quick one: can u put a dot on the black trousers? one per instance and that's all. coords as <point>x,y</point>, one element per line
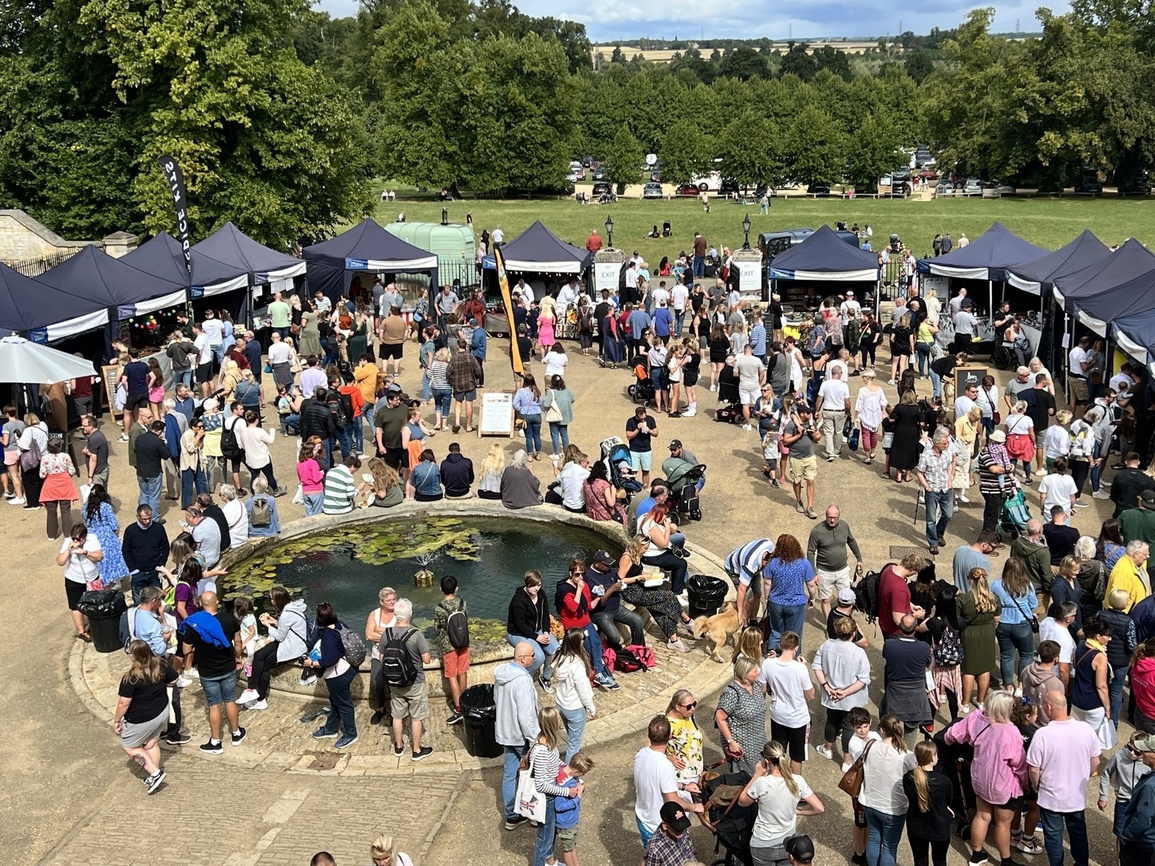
<point>992,510</point>
<point>937,850</point>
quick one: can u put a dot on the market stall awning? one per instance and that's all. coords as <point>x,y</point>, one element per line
<point>825,256</point>
<point>163,256</point>
<point>538,250</point>
<point>232,247</point>
<point>985,258</point>
<point>1125,264</point>
<point>45,313</point>
<point>1083,251</point>
<point>365,247</point>
<point>93,273</point>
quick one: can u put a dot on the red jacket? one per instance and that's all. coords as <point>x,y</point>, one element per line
<point>574,613</point>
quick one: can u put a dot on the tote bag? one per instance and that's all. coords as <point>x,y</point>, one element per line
<point>530,802</point>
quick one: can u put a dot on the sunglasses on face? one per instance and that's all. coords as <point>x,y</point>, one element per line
<point>688,706</point>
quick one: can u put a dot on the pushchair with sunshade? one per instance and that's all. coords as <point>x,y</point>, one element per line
<point>1015,515</point>
<point>730,822</point>
<point>683,482</point>
<point>642,391</point>
<point>619,466</point>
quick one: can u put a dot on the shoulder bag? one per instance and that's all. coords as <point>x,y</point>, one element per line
<point>529,803</point>
<point>852,779</point>
<point>1030,617</point>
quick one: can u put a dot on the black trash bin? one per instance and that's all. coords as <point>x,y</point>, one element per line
<point>480,711</point>
<point>705,594</point>
<point>103,608</point>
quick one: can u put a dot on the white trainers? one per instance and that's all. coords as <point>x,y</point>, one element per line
<point>1101,494</point>
<point>19,500</point>
<point>747,427</point>
<point>259,705</point>
<point>183,682</point>
<point>825,751</point>
<point>248,696</point>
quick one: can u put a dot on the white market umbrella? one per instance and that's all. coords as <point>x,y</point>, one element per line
<point>34,364</point>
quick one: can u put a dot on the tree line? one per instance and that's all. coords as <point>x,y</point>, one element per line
<point>282,116</point>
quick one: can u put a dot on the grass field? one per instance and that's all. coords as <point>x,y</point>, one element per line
<point>1047,222</point>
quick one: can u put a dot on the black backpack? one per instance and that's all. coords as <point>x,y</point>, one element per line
<point>341,413</point>
<point>230,444</point>
<point>396,661</point>
<point>457,627</point>
<point>626,662</point>
<point>866,594</point>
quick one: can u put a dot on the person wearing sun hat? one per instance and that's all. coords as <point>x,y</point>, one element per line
<point>996,478</point>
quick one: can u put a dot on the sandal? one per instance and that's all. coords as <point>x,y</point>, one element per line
<point>885,474</point>
<point>468,429</point>
<point>84,636</point>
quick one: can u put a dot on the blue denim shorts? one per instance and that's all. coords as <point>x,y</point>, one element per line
<point>220,690</point>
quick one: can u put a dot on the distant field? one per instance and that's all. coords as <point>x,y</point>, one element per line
<point>1049,223</point>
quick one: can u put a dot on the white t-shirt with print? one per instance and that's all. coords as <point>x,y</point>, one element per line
<point>787,682</point>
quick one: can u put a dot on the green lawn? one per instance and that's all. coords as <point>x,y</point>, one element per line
<point>1047,222</point>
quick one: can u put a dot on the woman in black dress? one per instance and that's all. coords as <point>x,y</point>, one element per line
<point>901,347</point>
<point>904,453</point>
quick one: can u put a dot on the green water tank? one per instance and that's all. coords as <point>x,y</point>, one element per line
<point>453,244</point>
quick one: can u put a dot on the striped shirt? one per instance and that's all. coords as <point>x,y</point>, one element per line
<point>340,488</point>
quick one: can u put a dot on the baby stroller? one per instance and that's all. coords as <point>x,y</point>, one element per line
<point>954,762</point>
<point>683,484</point>
<point>730,823</point>
<point>1015,515</point>
<point>619,466</point>
<point>729,406</point>
<point>667,232</point>
<point>642,391</point>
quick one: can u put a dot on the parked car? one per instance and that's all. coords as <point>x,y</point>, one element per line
<point>1089,183</point>
<point>601,188</point>
<point>687,189</point>
<point>711,182</point>
<point>818,189</point>
<point>653,191</point>
<point>599,174</point>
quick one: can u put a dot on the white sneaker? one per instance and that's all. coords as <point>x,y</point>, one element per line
<point>689,413</point>
<point>248,696</point>
<point>183,682</point>
<point>962,497</point>
<point>747,427</point>
<point>825,751</point>
<point>1101,494</point>
<point>713,387</point>
<point>259,705</point>
<point>19,500</point>
<point>123,437</point>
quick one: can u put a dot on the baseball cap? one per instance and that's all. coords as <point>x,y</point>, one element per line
<point>674,816</point>
<point>847,596</point>
<point>998,436</point>
<point>802,407</point>
<point>801,848</point>
<point>603,557</point>
<point>1145,744</point>
<point>1148,497</point>
<point>393,388</point>
<point>675,444</point>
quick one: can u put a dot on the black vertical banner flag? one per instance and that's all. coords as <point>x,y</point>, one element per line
<point>175,178</point>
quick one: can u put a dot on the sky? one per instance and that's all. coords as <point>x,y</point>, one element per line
<point>607,20</point>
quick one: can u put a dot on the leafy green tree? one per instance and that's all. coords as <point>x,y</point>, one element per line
<point>742,63</point>
<point>873,150</point>
<point>751,152</point>
<point>829,57</point>
<point>622,160</point>
<point>919,64</point>
<point>797,61</point>
<point>686,151</point>
<point>814,147</point>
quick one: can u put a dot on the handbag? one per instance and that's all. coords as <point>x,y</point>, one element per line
<point>553,414</point>
<point>887,439</point>
<point>852,439</point>
<point>847,426</point>
<point>852,779</point>
<point>1030,617</point>
<point>529,802</point>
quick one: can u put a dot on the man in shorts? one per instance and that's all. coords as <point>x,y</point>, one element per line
<point>410,701</point>
<point>212,641</point>
<point>464,375</point>
<point>388,422</point>
<point>799,438</point>
<point>393,332</point>
<point>827,551</point>
<point>744,566</point>
<point>751,374</point>
<point>640,431</point>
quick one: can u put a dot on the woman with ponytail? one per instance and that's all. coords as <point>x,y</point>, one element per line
<point>778,793</point>
<point>928,817</point>
<point>884,765</point>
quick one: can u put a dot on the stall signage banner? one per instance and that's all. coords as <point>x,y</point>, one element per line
<point>175,178</point>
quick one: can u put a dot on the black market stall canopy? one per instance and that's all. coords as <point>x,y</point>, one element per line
<point>124,290</point>
<point>45,313</point>
<point>365,247</point>
<point>232,247</point>
<point>1032,276</point>
<point>163,256</point>
<point>538,250</point>
<point>1125,264</point>
<point>824,256</point>
<point>985,258</point>
<point>1135,335</point>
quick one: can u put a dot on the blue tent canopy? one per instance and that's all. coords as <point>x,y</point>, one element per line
<point>985,258</point>
<point>164,257</point>
<point>1032,276</point>
<point>94,274</point>
<point>365,247</point>
<point>1135,334</point>
<point>538,250</point>
<point>230,246</point>
<point>1133,297</point>
<point>1128,262</point>
<point>43,312</point>
<point>825,256</point>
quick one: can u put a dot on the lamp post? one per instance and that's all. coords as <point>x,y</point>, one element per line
<point>445,216</point>
<point>610,231</point>
<point>746,229</point>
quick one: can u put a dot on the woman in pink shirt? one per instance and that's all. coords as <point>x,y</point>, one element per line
<point>998,771</point>
<point>311,477</point>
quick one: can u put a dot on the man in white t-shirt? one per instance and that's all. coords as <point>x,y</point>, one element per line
<point>679,295</point>
<point>1079,364</point>
<point>204,368</point>
<point>656,782</point>
<point>1058,629</point>
<point>751,374</point>
<point>967,401</point>
<point>833,404</point>
<point>1058,489</point>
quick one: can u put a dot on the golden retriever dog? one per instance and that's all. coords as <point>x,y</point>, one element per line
<point>720,628</point>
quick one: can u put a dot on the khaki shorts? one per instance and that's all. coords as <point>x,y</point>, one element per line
<point>1078,389</point>
<point>411,701</point>
<point>566,839</point>
<point>802,469</point>
<point>829,582</point>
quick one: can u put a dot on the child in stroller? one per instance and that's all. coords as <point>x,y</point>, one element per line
<point>642,391</point>
<point>616,457</point>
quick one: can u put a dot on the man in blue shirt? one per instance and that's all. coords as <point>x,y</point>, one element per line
<point>638,320</point>
<point>758,336</point>
<point>663,321</point>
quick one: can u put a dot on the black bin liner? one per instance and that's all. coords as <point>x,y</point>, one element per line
<point>705,595</point>
<point>103,608</point>
<point>480,711</point>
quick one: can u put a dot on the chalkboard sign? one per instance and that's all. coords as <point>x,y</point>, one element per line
<point>496,414</point>
<point>109,376</point>
<point>967,375</point>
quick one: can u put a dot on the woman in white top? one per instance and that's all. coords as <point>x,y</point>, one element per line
<point>571,688</point>
<point>489,476</point>
<point>1058,488</point>
<point>379,620</point>
<point>659,531</point>
<point>886,762</point>
<point>869,409</point>
<point>988,401</point>
<point>1057,440</point>
<point>80,557</point>
<point>1021,437</point>
<point>255,441</point>
<point>36,431</point>
<point>555,360</point>
<point>778,793</point>
<point>795,364</point>
<point>787,680</point>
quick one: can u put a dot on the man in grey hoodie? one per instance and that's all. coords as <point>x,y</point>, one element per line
<point>516,701</point>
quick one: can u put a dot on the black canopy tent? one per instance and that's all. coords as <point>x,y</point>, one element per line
<point>825,257</point>
<point>258,264</point>
<point>163,256</point>
<point>366,247</point>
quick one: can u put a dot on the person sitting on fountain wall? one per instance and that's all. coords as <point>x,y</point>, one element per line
<point>519,486</point>
<point>456,472</point>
